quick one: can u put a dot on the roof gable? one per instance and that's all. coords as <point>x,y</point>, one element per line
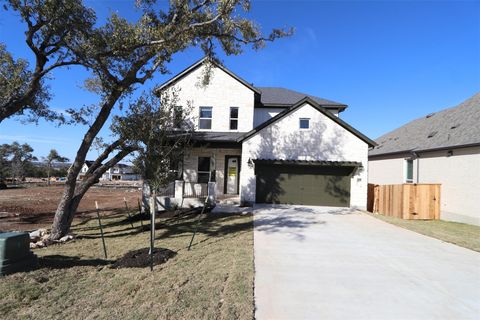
<point>198,64</point>
<point>319,108</point>
<point>453,127</point>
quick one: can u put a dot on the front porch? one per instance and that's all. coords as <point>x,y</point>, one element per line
<point>189,195</point>
<point>209,170</point>
<point>206,165</point>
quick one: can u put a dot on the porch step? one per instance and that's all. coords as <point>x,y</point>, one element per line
<point>228,201</point>
<point>228,208</point>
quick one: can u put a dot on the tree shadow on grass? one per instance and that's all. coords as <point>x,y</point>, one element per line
<point>64,262</point>
<point>211,225</point>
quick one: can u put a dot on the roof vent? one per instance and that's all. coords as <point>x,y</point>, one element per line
<point>455,126</point>
<point>432,134</point>
<point>430,115</point>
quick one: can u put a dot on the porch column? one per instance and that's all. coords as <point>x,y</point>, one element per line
<point>179,189</point>
<point>211,192</point>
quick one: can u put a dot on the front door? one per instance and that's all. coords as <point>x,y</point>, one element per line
<point>232,175</point>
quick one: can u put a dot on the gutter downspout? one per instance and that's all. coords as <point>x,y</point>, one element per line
<point>418,170</point>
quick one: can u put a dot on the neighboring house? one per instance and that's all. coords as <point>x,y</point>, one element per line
<point>119,172</point>
<point>270,145</point>
<point>84,169</point>
<point>442,147</point>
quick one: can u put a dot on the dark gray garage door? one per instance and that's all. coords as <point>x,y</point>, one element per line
<point>303,184</point>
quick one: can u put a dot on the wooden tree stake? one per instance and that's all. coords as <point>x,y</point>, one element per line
<point>153,198</point>
<point>128,212</point>
<point>101,229</point>
<point>140,213</point>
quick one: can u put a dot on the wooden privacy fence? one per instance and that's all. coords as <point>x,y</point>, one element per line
<point>405,201</point>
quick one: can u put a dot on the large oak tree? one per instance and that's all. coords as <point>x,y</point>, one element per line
<point>121,55</point>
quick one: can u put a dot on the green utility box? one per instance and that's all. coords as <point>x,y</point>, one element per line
<point>15,254</point>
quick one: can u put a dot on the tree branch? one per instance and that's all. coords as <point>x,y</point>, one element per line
<point>91,179</point>
<point>109,149</point>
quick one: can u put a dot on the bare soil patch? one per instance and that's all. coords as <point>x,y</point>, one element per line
<point>141,258</point>
<point>30,208</point>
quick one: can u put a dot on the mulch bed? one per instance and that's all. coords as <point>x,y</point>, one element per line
<point>141,258</point>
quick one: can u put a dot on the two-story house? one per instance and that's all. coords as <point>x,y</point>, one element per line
<point>120,171</point>
<point>270,145</point>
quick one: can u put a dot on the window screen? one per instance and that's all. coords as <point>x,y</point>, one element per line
<point>203,169</point>
<point>205,119</point>
<point>304,123</point>
<point>233,118</point>
<point>409,170</point>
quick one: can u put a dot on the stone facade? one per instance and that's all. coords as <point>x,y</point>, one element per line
<point>326,140</point>
<point>222,92</point>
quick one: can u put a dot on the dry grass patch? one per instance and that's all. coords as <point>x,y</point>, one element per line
<point>212,281</point>
<point>461,234</point>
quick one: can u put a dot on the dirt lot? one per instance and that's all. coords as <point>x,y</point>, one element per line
<point>34,207</point>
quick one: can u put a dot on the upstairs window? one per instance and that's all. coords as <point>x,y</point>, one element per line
<point>408,170</point>
<point>205,119</point>
<point>233,118</point>
<point>177,117</point>
<point>304,123</point>
<point>203,169</point>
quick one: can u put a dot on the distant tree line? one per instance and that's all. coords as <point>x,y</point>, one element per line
<point>17,162</point>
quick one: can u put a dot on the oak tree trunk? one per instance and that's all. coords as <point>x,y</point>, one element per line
<point>71,197</point>
<point>65,212</point>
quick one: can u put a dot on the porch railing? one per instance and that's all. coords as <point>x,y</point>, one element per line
<point>168,191</point>
<point>177,193</point>
<point>195,190</point>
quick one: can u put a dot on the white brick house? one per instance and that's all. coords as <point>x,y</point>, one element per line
<point>270,145</point>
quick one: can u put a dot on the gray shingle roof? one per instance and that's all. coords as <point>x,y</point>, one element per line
<point>285,97</point>
<point>310,162</point>
<point>457,126</point>
<point>216,136</point>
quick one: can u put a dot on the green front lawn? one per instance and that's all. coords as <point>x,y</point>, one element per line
<point>464,235</point>
<point>212,281</point>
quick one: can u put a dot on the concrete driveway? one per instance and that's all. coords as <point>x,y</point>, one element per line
<point>331,263</point>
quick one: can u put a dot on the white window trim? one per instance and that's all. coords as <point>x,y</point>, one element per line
<point>300,120</point>
<point>405,170</point>
<point>230,118</point>
<point>203,172</point>
<point>200,118</point>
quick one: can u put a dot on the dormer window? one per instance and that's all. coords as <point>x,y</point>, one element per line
<point>304,123</point>
<point>233,118</point>
<point>205,119</point>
